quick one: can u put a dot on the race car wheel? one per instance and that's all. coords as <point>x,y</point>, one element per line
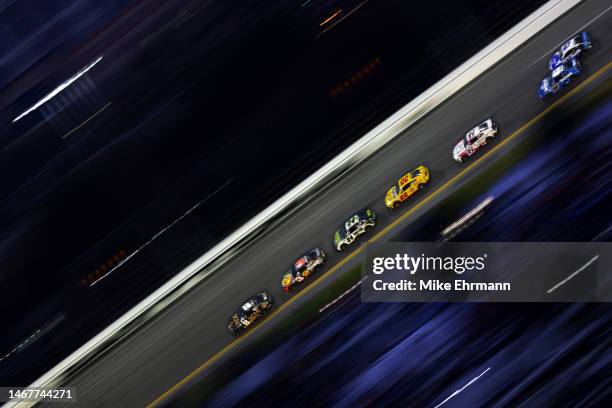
<point>421,186</point>
<point>395,205</point>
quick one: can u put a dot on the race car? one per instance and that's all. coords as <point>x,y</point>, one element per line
<point>559,78</point>
<point>355,226</point>
<point>572,48</point>
<point>474,140</point>
<point>303,268</point>
<point>406,186</point>
<point>252,310</point>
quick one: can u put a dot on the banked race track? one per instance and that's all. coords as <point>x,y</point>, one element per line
<point>188,338</point>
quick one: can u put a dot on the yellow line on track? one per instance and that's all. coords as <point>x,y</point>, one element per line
<point>392,225</point>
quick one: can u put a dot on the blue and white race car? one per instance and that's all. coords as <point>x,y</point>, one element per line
<point>572,48</point>
<point>559,78</point>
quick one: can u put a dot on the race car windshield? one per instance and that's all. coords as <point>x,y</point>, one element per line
<point>415,173</point>
<point>470,136</point>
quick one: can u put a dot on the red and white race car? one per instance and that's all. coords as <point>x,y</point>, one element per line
<point>474,140</point>
<point>303,268</point>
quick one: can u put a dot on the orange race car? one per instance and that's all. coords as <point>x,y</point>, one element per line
<point>303,268</point>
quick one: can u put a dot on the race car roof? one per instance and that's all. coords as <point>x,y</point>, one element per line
<point>558,71</point>
<point>300,263</point>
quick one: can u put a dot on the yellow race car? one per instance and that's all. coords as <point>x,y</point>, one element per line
<point>407,186</point>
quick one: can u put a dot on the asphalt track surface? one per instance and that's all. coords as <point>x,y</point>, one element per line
<point>176,348</point>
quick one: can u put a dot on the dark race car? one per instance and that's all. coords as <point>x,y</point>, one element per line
<point>355,226</point>
<point>303,268</point>
<point>252,310</point>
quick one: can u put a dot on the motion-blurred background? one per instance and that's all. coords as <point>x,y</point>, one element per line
<point>135,134</point>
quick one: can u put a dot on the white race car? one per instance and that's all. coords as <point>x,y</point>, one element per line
<point>474,139</point>
<point>572,48</point>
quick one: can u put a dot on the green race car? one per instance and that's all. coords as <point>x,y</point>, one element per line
<point>251,311</point>
<point>355,226</point>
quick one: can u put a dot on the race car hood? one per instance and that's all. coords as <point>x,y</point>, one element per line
<point>262,297</point>
<point>586,40</point>
<point>368,214</point>
<point>459,149</point>
<point>319,252</point>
